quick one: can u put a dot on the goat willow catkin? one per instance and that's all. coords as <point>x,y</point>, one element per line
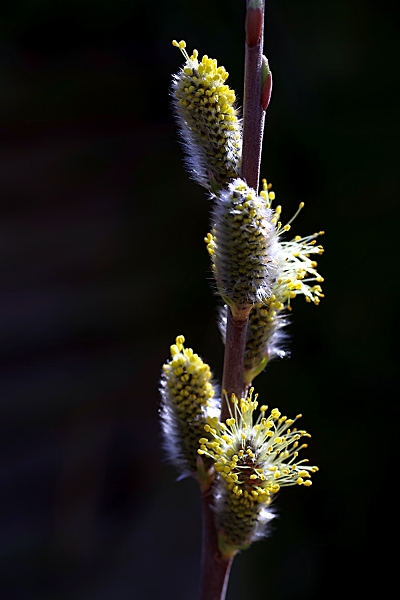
<point>187,398</point>
<point>295,275</point>
<point>209,125</point>
<point>254,460</point>
<point>242,246</point>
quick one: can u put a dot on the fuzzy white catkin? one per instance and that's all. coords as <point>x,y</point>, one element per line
<point>209,126</point>
<point>242,246</point>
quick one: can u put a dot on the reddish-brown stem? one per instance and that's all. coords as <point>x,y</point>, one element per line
<point>235,345</point>
<point>253,113</point>
<point>215,567</point>
<point>215,570</point>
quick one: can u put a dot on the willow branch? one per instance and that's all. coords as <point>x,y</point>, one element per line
<point>215,567</point>
<point>253,113</point>
<point>235,345</point>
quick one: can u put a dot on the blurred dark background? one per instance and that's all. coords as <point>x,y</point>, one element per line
<point>102,264</point>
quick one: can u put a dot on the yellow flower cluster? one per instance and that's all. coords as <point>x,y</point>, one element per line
<point>296,275</point>
<point>187,393</point>
<point>253,460</point>
<point>297,270</point>
<point>205,109</point>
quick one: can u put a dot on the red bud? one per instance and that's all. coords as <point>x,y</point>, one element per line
<point>266,92</point>
<point>253,26</point>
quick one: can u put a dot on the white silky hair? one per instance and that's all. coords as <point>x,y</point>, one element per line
<point>195,156</point>
<point>195,159</point>
<point>171,426</point>
<point>265,515</point>
<point>266,248</point>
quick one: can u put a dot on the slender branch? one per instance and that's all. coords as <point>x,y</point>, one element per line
<point>253,113</point>
<point>253,128</point>
<point>235,345</point>
<point>215,568</point>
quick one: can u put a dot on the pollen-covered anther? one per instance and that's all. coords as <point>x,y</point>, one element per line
<point>253,467</point>
<point>210,128</point>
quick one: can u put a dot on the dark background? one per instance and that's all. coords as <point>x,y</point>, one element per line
<point>102,264</point>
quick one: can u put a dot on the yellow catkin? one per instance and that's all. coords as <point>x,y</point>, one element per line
<point>210,128</point>
<point>187,396</point>
<point>296,274</point>
<point>254,459</point>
